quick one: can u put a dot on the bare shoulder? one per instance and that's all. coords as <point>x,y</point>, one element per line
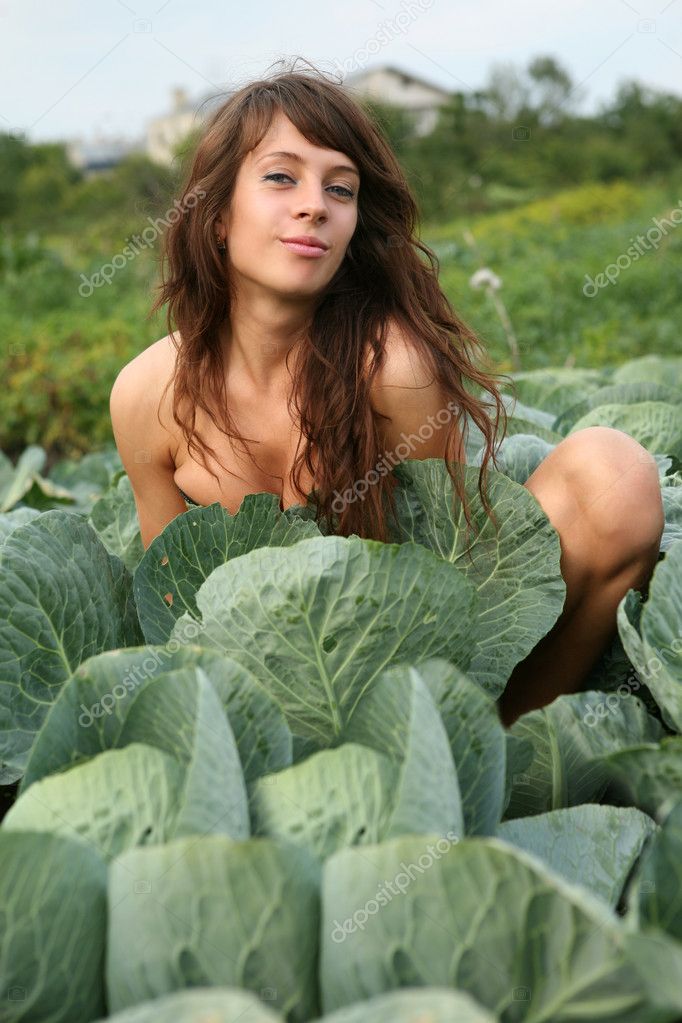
<point>405,364</point>
<point>407,391</point>
<point>139,392</point>
<point>145,369</point>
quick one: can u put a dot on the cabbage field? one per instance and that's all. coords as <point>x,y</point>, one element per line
<point>257,772</point>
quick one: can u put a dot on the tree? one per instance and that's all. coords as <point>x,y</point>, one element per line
<point>44,183</point>
<point>551,89</point>
<point>649,122</point>
<point>395,122</point>
<point>15,158</point>
<point>506,93</point>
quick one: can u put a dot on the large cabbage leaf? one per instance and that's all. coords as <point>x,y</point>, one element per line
<point>319,621</point>
<point>516,569</point>
<point>487,917</point>
<point>212,911</point>
<point>63,599</point>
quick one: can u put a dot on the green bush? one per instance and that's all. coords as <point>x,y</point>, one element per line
<point>57,378</point>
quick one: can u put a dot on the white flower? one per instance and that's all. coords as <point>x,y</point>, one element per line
<point>485,278</point>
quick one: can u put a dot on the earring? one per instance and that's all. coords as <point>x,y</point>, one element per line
<point>221,245</point>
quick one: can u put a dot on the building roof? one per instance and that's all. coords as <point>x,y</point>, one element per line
<point>356,77</point>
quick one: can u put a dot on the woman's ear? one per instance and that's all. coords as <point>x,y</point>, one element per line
<point>219,232</point>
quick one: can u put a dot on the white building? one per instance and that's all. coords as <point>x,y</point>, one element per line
<point>386,84</point>
<point>167,130</point>
<point>101,153</point>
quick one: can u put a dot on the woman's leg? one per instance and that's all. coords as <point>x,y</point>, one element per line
<point>600,490</point>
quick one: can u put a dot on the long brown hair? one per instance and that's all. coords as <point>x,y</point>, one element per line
<point>383,277</point>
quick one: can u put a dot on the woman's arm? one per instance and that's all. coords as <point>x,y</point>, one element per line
<point>144,447</point>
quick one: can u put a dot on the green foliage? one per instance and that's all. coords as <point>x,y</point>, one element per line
<point>543,251</point>
<point>61,351</point>
<point>522,130</point>
<point>231,753</point>
<point>58,376</point>
<point>395,122</point>
<point>275,801</point>
<point>16,158</point>
<point>549,196</point>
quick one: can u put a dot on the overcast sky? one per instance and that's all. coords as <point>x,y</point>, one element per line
<point>75,69</point>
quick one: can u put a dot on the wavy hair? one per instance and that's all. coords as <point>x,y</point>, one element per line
<point>383,277</point>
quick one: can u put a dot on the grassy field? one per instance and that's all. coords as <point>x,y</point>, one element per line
<point>543,251</point>
<point>63,343</point>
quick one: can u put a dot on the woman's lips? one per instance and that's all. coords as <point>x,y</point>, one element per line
<point>305,250</point>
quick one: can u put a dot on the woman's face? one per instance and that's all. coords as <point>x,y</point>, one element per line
<point>278,197</point>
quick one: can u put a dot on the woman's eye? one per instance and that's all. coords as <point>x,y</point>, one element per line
<point>347,192</point>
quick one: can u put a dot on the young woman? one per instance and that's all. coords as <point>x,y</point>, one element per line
<point>312,345</point>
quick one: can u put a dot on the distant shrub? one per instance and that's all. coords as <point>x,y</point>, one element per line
<point>57,376</point>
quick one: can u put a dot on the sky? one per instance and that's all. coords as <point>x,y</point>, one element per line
<point>103,69</point>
